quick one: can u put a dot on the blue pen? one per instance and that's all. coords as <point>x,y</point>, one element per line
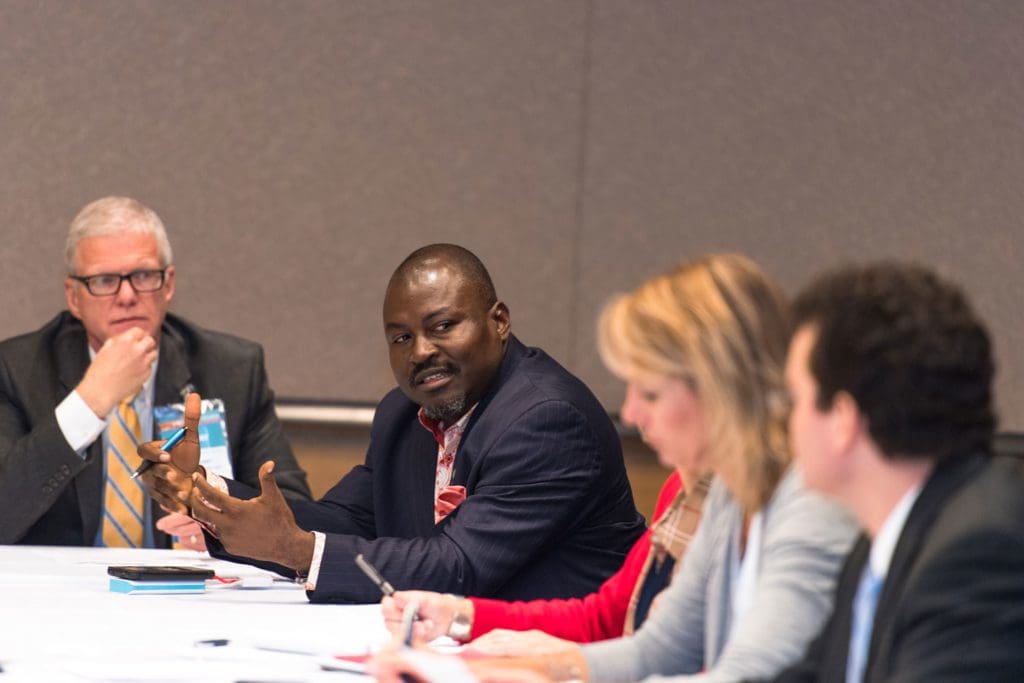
<point>175,439</point>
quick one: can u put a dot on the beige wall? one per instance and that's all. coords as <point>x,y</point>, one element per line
<point>298,150</point>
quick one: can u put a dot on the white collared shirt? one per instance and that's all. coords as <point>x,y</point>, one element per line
<point>81,427</point>
<point>871,584</point>
<point>884,543</point>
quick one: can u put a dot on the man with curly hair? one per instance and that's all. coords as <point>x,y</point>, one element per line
<point>891,373</point>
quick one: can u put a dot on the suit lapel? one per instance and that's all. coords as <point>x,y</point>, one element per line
<point>836,649</point>
<point>71,351</point>
<point>420,457</point>
<point>419,461</point>
<point>940,488</point>
<point>172,374</point>
<point>471,440</point>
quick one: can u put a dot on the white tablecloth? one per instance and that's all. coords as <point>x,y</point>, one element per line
<point>60,622</point>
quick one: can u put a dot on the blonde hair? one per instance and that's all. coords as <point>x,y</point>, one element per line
<point>721,325</point>
<point>113,215</point>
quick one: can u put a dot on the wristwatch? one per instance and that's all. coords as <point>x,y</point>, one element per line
<point>461,627</point>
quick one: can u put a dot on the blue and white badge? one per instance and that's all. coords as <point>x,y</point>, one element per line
<point>214,453</point>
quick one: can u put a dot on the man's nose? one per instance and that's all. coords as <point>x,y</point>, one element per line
<point>126,294</point>
<point>422,349</point>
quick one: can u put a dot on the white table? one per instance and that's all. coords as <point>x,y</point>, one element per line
<point>60,622</point>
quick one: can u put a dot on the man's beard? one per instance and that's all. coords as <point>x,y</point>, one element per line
<point>448,411</point>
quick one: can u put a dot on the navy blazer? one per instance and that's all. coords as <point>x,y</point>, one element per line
<point>549,512</point>
<point>51,496</point>
<point>952,605</point>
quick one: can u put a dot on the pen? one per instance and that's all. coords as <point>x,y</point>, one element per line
<point>409,615</point>
<point>212,642</point>
<point>175,439</point>
<point>386,588</point>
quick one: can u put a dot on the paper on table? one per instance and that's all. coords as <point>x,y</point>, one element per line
<point>354,663</point>
<point>435,668</point>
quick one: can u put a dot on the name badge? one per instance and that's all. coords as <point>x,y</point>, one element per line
<point>214,451</point>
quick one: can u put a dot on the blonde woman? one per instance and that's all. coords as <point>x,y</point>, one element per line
<point>709,338</point>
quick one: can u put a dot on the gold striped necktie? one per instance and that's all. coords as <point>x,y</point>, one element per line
<point>123,498</point>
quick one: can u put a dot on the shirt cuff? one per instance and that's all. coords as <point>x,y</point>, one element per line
<point>217,481</point>
<point>78,423</point>
<point>319,540</point>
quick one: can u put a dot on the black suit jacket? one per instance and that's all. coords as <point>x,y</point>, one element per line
<point>952,606</point>
<point>48,494</point>
<point>549,511</point>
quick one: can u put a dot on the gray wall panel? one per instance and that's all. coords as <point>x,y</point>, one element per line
<point>297,151</point>
<point>804,134</point>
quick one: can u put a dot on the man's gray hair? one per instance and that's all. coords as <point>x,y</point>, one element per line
<point>113,215</point>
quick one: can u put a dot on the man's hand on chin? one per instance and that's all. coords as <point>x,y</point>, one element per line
<point>121,366</point>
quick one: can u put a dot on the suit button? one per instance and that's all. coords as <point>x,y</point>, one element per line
<point>65,470</point>
<point>47,489</point>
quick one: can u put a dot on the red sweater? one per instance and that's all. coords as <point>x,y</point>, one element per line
<point>597,616</point>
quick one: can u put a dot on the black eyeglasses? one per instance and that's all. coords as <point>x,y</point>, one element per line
<point>108,284</point>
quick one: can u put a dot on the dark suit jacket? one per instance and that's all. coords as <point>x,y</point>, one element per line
<point>48,494</point>
<point>549,511</point>
<point>952,606</point>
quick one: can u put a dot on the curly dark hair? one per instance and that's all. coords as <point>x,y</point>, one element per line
<point>906,345</point>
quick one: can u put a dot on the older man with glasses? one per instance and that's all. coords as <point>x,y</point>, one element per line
<point>79,394</point>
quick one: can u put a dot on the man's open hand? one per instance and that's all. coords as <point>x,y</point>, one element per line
<point>261,528</point>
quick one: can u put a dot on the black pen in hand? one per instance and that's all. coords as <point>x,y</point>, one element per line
<point>388,590</point>
<point>409,615</point>
<point>371,572</point>
<point>411,611</point>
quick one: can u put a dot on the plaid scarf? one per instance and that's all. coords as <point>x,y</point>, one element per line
<point>670,535</point>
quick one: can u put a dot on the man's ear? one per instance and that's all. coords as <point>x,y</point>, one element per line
<point>846,422</point>
<point>71,297</point>
<point>169,284</point>
<point>501,318</point>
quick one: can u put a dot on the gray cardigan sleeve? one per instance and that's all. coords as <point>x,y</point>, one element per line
<point>804,542</point>
<point>671,640</point>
